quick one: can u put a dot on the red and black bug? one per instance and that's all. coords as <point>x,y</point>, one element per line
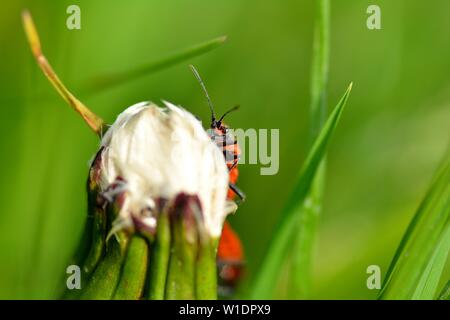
<point>230,257</point>
<point>230,253</point>
<point>225,140</point>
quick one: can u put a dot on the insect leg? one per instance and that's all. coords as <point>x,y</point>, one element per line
<point>238,191</point>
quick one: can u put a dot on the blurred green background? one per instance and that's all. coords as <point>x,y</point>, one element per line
<point>392,135</point>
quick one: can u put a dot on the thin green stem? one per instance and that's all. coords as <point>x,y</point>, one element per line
<point>304,242</point>
<point>319,70</point>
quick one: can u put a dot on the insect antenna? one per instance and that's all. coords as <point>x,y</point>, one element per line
<point>93,121</point>
<point>199,79</point>
<point>229,111</point>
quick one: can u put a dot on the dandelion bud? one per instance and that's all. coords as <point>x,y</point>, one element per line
<point>150,154</point>
<point>157,192</point>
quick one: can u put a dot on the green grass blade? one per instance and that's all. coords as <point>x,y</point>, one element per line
<point>114,79</point>
<point>445,294</point>
<point>302,252</point>
<point>427,287</point>
<point>266,279</point>
<point>417,261</point>
<point>320,67</point>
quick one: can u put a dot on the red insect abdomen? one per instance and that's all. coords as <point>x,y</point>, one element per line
<point>230,246</point>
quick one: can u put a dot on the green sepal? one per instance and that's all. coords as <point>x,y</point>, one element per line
<point>206,270</point>
<point>180,284</point>
<point>104,280</point>
<point>132,278</point>
<point>159,259</point>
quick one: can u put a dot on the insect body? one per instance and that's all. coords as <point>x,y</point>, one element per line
<point>220,134</point>
<point>230,253</point>
<point>230,258</point>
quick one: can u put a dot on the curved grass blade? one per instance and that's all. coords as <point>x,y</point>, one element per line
<point>427,288</point>
<point>320,67</point>
<point>417,261</point>
<point>266,279</point>
<point>445,294</point>
<point>114,79</point>
<point>302,250</point>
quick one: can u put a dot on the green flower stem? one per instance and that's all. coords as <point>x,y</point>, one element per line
<point>181,274</point>
<point>103,282</point>
<point>132,279</point>
<point>206,275</point>
<point>159,259</point>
